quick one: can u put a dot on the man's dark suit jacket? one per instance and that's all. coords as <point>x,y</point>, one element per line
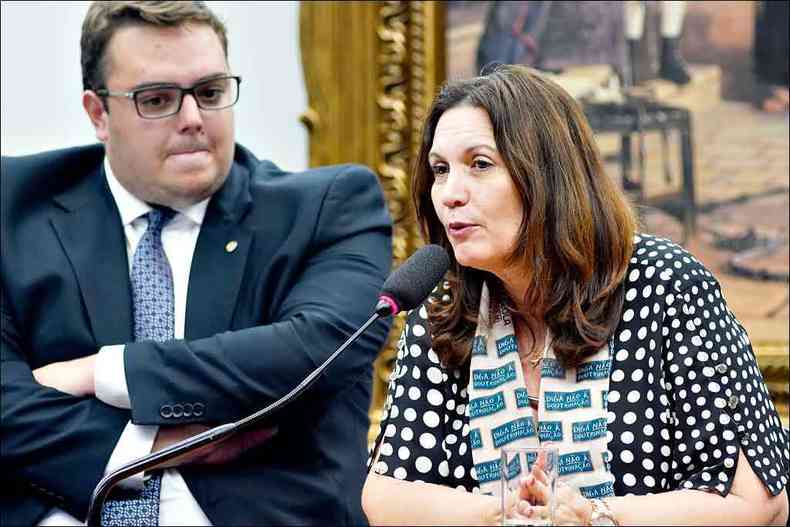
<point>313,251</point>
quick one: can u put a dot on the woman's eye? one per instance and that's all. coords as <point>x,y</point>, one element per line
<point>438,169</point>
<point>481,164</point>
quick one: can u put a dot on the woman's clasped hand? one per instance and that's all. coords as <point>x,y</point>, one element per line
<point>538,500</point>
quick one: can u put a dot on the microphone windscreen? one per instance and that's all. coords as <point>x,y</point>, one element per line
<point>413,281</point>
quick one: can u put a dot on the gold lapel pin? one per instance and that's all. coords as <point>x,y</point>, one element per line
<point>231,246</point>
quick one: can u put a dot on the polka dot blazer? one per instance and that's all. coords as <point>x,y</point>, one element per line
<point>685,392</point>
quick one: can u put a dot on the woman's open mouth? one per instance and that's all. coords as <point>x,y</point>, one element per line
<point>460,230</point>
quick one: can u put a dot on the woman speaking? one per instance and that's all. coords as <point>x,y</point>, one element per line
<point>610,344</point>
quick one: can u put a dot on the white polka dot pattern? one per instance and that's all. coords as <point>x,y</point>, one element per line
<point>685,395</point>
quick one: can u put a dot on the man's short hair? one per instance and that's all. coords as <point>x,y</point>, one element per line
<point>105,18</point>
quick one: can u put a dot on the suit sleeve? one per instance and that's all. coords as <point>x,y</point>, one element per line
<point>46,433</point>
<point>234,373</point>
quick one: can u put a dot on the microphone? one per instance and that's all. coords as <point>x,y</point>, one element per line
<point>413,281</point>
<point>405,289</point>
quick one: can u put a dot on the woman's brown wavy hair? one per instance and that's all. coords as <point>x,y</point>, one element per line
<point>576,235</point>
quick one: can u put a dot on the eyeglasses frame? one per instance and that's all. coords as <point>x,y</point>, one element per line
<point>132,94</point>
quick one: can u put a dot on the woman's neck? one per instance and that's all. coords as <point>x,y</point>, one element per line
<point>531,335</point>
<point>528,320</point>
<point>515,281</point>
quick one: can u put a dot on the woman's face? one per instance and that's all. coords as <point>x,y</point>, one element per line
<point>473,193</point>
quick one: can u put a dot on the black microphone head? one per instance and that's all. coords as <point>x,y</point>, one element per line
<point>413,281</point>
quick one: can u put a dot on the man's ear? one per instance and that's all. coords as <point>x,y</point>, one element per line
<point>94,107</point>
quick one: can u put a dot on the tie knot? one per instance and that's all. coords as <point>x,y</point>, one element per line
<point>159,216</point>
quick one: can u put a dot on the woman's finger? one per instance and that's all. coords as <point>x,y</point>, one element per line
<point>540,474</point>
<point>540,460</point>
<point>525,488</point>
<point>512,497</point>
<point>515,507</point>
<point>536,492</point>
<point>539,513</point>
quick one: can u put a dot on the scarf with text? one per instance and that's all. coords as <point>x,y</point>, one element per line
<point>572,413</point>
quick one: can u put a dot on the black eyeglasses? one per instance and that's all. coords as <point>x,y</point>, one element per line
<point>164,100</point>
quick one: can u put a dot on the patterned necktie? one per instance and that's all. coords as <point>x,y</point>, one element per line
<point>154,319</point>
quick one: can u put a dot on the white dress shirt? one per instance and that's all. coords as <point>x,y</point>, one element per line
<point>177,506</point>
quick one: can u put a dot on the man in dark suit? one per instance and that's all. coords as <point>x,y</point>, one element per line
<point>167,280</point>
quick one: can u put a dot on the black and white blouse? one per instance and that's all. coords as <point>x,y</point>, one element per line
<point>685,392</point>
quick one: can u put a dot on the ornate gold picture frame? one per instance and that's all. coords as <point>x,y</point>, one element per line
<point>371,70</point>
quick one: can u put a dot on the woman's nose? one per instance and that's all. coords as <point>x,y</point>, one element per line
<point>455,191</point>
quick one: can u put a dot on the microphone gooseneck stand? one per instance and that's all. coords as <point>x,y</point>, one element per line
<point>217,434</point>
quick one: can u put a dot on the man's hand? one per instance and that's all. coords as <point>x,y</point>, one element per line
<point>74,377</point>
<point>212,454</point>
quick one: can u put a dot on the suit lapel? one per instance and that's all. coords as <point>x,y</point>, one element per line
<point>91,233</point>
<point>220,258</point>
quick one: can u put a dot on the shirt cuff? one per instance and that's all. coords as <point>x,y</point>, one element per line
<point>109,377</point>
<point>135,442</point>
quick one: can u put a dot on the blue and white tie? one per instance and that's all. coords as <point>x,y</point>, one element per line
<point>154,319</point>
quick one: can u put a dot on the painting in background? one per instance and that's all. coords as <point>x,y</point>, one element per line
<point>736,57</point>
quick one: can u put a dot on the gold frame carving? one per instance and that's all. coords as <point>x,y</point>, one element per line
<point>371,70</point>
<point>773,360</point>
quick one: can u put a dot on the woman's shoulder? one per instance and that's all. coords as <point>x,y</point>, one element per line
<point>417,364</point>
<point>661,263</point>
<point>416,342</point>
<point>418,321</point>
<point>418,325</point>
<point>415,339</point>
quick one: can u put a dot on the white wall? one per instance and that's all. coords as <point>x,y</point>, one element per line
<point>41,82</point>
